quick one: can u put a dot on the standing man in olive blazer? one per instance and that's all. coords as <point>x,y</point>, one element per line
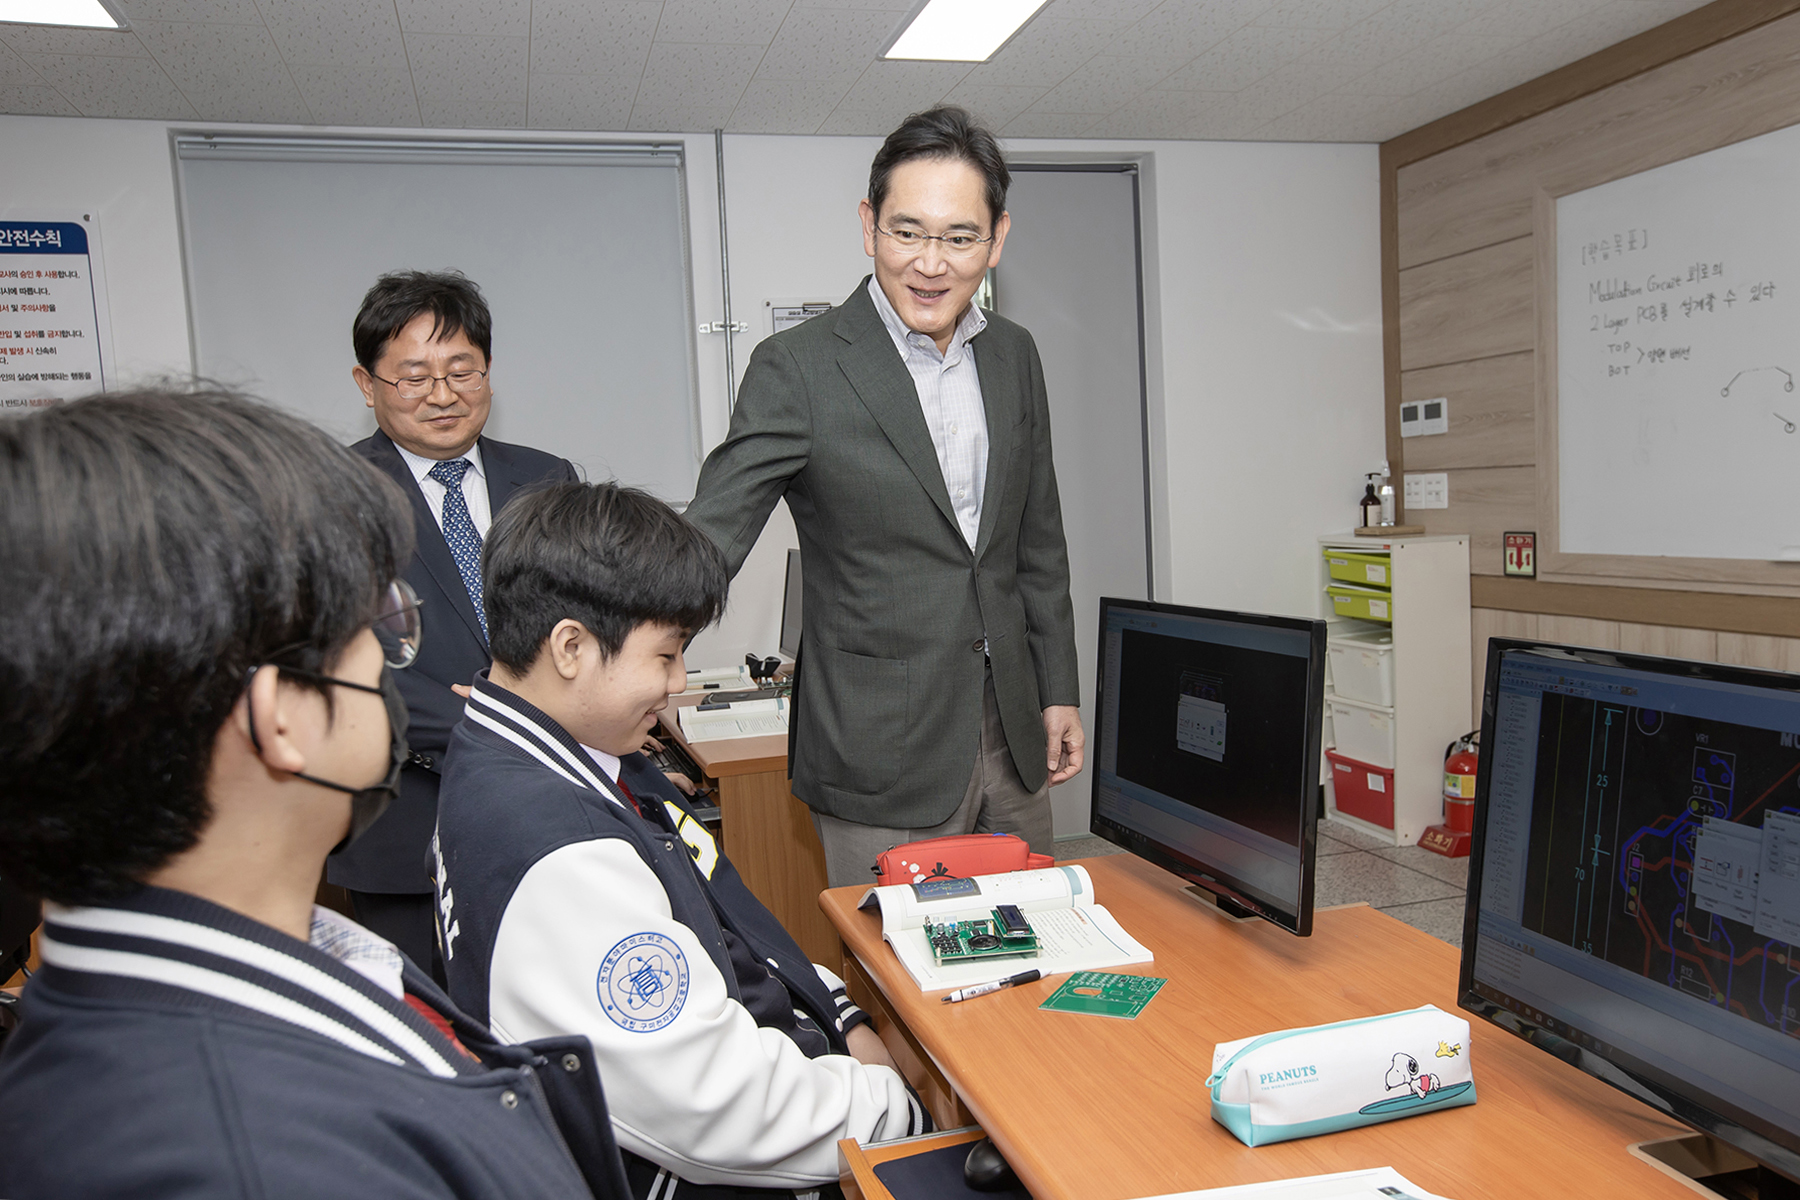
<point>909,431</point>
<point>423,345</point>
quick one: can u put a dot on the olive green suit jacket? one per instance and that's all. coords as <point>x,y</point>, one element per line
<point>887,710</point>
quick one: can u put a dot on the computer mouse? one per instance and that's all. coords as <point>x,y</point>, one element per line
<point>984,1169</point>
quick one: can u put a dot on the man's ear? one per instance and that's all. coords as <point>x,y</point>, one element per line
<point>866,211</point>
<point>270,706</point>
<point>366,382</point>
<point>1001,227</point>
<point>566,646</point>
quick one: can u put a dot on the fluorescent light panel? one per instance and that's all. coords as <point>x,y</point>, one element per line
<point>961,30</point>
<point>91,14</point>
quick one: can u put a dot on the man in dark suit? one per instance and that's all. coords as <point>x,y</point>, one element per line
<point>423,348</point>
<point>909,432</point>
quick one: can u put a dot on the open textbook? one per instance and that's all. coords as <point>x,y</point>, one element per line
<point>1073,933</point>
<point>740,718</point>
<point>708,678</point>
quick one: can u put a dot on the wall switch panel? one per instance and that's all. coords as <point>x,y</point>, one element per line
<point>1423,418</point>
<point>1426,490</point>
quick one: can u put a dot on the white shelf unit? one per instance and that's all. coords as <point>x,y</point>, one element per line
<point>1430,628</point>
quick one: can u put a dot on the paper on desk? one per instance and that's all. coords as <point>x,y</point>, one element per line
<point>711,678</point>
<point>1382,1183</point>
<point>741,718</point>
<point>1074,933</point>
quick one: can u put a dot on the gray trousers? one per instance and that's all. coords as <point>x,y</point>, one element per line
<point>994,802</point>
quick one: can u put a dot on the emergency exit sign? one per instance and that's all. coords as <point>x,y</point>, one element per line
<point>1521,554</point>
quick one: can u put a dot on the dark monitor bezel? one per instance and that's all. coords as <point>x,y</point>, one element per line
<point>1206,876</point>
<point>1775,1148</point>
<point>790,602</point>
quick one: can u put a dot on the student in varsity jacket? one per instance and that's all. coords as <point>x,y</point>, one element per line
<point>197,702</point>
<point>579,894</point>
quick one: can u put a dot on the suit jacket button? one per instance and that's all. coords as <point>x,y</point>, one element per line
<point>978,645</point>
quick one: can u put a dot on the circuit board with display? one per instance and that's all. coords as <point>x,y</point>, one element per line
<point>1005,935</point>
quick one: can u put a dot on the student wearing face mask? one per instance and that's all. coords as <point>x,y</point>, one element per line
<point>202,621</point>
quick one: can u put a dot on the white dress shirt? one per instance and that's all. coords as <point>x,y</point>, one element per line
<point>474,487</point>
<point>950,398</point>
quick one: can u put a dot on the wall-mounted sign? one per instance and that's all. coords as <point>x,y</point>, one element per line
<point>785,314</point>
<point>50,314</point>
<point>1521,554</point>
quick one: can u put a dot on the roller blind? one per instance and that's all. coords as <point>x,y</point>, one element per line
<point>580,248</point>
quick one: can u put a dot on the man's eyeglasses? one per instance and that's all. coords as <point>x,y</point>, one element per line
<point>954,245</point>
<point>417,387</point>
<point>397,624</point>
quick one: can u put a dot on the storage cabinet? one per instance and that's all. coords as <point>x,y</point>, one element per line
<point>1407,644</point>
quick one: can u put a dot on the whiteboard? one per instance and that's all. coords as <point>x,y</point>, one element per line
<point>1677,298</point>
<point>579,249</point>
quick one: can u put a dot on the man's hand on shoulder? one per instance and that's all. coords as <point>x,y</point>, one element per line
<point>1064,741</point>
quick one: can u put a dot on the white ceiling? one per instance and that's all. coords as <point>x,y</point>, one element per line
<point>1263,70</point>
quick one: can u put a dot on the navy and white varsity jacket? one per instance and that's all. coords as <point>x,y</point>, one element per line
<point>171,1047</point>
<point>564,911</point>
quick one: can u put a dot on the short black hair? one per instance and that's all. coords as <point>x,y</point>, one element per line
<point>158,545</point>
<point>942,132</point>
<point>454,302</point>
<point>610,557</point>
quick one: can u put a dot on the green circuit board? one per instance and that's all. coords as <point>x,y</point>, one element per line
<point>965,941</point>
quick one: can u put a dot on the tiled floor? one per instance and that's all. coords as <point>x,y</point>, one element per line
<point>1416,886</point>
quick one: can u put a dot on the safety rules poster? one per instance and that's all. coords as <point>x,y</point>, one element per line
<point>50,314</point>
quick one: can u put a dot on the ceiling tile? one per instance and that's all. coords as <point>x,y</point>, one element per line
<point>35,100</point>
<point>783,106</point>
<point>684,77</point>
<point>740,22</point>
<point>1428,17</point>
<point>44,39</point>
<point>1049,125</point>
<point>860,123</point>
<point>825,43</point>
<point>594,102</point>
<point>593,39</point>
<point>472,114</point>
<point>993,106</point>
<point>1287,88</point>
<point>1099,10</point>
<point>227,72</point>
<point>1046,52</point>
<point>1319,14</point>
<point>15,72</point>
<point>226,12</point>
<point>114,87</point>
<point>893,6</point>
<point>481,18</point>
<point>1370,43</point>
<point>1101,84</point>
<point>468,69</point>
<point>1166,114</point>
<point>1440,58</point>
<point>348,32</point>
<point>1176,33</point>
<point>1521,20</point>
<point>903,87</point>
<point>1611,23</point>
<point>679,120</point>
<point>1244,57</point>
<point>353,96</point>
<point>1328,120</point>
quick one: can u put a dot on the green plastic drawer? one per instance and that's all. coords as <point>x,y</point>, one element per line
<point>1363,604</point>
<point>1352,566</point>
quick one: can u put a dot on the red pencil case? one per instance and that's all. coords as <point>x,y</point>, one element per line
<point>958,857</point>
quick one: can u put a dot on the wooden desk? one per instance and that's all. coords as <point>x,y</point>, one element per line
<point>768,832</point>
<point>1095,1108</point>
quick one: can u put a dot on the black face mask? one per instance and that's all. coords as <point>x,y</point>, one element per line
<point>366,803</point>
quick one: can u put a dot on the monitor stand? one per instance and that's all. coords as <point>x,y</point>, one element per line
<point>1712,1168</point>
<point>1223,905</point>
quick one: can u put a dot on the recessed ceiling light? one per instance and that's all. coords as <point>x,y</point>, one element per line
<point>92,14</point>
<point>960,30</point>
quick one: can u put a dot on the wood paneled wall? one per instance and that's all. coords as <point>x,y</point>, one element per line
<point>1460,289</point>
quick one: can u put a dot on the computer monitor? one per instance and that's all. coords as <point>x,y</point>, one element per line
<point>1207,757</point>
<point>1634,882</point>
<point>790,608</point>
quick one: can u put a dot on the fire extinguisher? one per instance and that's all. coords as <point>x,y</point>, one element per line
<point>1460,761</point>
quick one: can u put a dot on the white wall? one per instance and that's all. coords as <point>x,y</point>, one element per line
<point>1262,297</point>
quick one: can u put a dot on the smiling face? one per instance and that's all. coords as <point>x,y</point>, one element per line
<point>620,696</point>
<point>444,424</point>
<point>930,289</point>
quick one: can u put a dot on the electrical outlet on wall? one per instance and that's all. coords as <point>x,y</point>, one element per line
<point>1427,490</point>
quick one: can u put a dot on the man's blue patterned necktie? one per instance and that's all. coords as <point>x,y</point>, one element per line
<point>459,532</point>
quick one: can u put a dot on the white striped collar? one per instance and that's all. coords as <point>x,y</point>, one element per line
<point>534,731</point>
<point>161,939</point>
